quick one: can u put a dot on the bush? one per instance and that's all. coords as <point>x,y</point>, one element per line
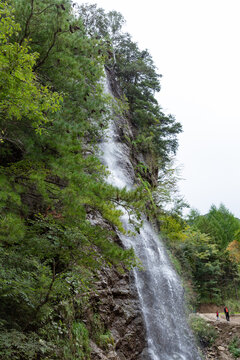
<point>100,334</point>
<point>81,341</point>
<point>233,305</point>
<point>234,347</point>
<point>15,345</point>
<point>204,332</point>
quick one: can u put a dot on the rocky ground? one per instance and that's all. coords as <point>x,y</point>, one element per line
<point>227,330</point>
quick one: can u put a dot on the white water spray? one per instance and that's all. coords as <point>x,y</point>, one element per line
<point>159,288</point>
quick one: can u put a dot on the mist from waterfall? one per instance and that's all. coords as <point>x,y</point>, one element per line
<point>161,295</point>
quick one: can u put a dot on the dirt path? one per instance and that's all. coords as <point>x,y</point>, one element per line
<point>227,330</point>
<point>211,317</point>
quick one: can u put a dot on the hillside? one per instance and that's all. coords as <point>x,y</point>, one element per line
<point>89,200</point>
<point>226,333</point>
<point>59,217</point>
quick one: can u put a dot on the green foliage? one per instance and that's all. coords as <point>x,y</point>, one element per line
<point>99,23</point>
<point>56,209</point>
<point>21,95</point>
<point>209,268</point>
<point>15,345</point>
<point>205,262</point>
<point>176,263</point>
<point>173,229</point>
<point>204,332</point>
<point>207,252</point>
<point>52,183</point>
<point>233,304</point>
<point>234,347</point>
<point>101,336</point>
<point>136,73</point>
<point>156,132</point>
<point>105,340</point>
<point>220,224</point>
<point>81,341</point>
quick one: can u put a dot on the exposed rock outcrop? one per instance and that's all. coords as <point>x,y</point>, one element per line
<point>117,303</point>
<point>127,133</point>
<point>116,299</point>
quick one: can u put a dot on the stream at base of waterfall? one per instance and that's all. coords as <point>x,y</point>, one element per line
<point>160,292</point>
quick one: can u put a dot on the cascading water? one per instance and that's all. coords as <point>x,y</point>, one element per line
<point>159,288</point>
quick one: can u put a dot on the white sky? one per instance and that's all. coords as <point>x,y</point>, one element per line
<point>195,46</point>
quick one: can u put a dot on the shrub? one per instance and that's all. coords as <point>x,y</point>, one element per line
<point>204,332</point>
<point>233,305</point>
<point>81,341</point>
<point>100,334</point>
<point>234,347</point>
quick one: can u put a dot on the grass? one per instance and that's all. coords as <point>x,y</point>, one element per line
<point>205,333</point>
<point>234,347</point>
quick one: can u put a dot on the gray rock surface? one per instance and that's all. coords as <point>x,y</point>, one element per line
<point>117,303</point>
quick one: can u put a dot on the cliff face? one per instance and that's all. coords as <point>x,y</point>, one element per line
<point>127,133</point>
<point>159,287</point>
<point>116,299</point>
<point>117,304</point>
<point>51,181</point>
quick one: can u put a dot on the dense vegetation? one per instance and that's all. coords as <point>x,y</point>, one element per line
<point>206,248</point>
<point>139,81</point>
<point>53,111</point>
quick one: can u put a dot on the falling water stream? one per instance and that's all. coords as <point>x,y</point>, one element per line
<point>159,288</point>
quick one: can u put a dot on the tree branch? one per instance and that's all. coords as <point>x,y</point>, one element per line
<point>41,62</point>
<point>18,143</point>
<point>27,23</point>
<point>40,12</point>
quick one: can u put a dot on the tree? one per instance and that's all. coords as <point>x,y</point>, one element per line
<point>211,270</point>
<point>156,133</point>
<point>220,224</point>
<point>23,101</point>
<point>49,249</point>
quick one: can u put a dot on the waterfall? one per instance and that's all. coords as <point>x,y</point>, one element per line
<point>158,286</point>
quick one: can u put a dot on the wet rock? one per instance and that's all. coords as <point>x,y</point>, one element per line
<point>145,354</point>
<point>118,307</point>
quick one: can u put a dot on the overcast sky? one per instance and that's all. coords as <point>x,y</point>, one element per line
<point>196,47</point>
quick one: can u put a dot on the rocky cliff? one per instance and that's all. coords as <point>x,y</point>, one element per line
<point>116,299</point>
<point>116,302</point>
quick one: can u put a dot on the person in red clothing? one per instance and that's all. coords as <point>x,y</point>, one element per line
<point>217,315</point>
<point>226,313</point>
